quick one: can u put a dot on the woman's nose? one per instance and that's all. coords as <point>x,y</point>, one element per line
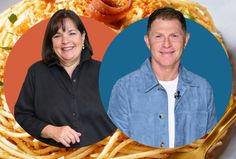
<point>64,39</point>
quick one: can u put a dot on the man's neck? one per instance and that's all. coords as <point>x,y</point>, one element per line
<point>165,73</point>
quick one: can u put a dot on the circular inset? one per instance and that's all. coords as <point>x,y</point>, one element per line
<point>27,51</point>
<point>204,56</point>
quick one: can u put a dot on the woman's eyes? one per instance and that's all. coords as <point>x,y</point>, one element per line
<point>72,33</point>
<point>59,35</point>
<point>56,36</point>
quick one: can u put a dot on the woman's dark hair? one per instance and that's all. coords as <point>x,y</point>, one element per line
<point>167,13</point>
<point>55,23</point>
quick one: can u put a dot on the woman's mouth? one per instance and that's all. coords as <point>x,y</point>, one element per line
<point>67,48</point>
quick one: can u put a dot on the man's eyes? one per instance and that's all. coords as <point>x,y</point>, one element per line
<point>158,35</point>
<point>174,35</point>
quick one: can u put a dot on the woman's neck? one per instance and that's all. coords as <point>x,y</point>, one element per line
<point>70,67</point>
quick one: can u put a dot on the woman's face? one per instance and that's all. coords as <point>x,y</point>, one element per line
<point>68,43</point>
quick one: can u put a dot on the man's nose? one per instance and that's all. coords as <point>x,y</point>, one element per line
<point>166,42</point>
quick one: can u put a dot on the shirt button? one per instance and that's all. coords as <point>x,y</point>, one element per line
<point>73,114</point>
<point>74,80</point>
<point>161,116</point>
<point>162,144</point>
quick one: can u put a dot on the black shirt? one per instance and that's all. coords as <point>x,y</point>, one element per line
<point>50,96</point>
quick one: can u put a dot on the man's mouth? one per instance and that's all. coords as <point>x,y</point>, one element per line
<point>167,52</point>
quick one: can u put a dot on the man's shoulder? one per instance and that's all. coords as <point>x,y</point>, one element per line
<point>137,76</point>
<point>132,78</point>
<point>197,79</point>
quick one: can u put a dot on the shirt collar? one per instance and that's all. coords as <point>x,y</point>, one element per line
<point>150,80</point>
<point>186,77</point>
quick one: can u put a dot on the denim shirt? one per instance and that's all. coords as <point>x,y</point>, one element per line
<point>138,107</point>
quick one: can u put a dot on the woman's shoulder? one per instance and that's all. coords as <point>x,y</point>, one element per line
<point>92,63</point>
<point>91,67</point>
<point>95,62</point>
<point>37,66</point>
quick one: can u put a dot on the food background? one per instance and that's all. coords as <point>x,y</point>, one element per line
<point>222,13</point>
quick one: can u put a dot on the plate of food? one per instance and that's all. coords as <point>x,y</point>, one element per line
<point>17,18</point>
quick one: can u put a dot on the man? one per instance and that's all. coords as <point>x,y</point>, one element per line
<point>162,104</point>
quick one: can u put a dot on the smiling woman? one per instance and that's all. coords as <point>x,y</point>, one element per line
<point>59,102</point>
<point>67,44</point>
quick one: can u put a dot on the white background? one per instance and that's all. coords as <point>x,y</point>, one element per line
<point>223,13</point>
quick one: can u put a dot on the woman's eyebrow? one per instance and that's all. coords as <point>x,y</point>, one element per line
<point>69,30</point>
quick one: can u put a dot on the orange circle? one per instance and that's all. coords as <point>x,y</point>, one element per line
<point>27,51</point>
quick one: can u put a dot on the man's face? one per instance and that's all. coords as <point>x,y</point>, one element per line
<point>166,40</point>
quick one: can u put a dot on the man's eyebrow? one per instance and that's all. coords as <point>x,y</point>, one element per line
<point>176,33</point>
<point>156,32</point>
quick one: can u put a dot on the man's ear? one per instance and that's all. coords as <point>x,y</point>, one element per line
<point>187,36</point>
<point>147,41</point>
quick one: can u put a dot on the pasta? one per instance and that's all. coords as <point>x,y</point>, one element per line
<point>15,21</point>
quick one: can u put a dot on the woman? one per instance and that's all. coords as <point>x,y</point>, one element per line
<point>59,102</point>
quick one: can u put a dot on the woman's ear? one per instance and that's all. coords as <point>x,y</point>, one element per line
<point>83,39</point>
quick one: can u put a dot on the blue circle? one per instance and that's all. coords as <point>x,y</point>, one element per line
<point>204,56</point>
